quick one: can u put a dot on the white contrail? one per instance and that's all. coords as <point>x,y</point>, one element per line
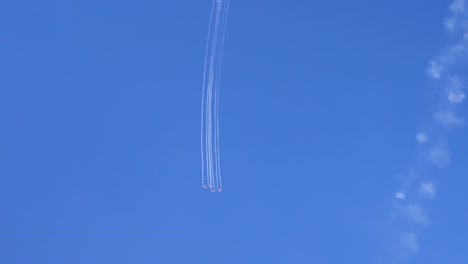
<point>408,202</point>
<point>202,103</point>
<point>209,139</point>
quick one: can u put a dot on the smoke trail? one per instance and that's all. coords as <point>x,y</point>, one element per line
<point>408,202</point>
<point>209,138</point>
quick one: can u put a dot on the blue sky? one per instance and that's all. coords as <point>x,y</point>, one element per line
<point>321,105</point>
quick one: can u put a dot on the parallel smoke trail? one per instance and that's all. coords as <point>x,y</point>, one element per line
<point>209,138</point>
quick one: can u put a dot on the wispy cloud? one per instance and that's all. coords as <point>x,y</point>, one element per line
<point>455,91</point>
<point>410,243</point>
<point>421,138</point>
<point>439,155</point>
<point>448,118</point>
<point>406,245</point>
<point>456,97</point>
<point>427,189</point>
<point>408,201</point>
<point>400,196</point>
<point>415,214</point>
<point>457,6</point>
<point>435,69</point>
<point>449,24</point>
<point>457,20</point>
<point>448,57</point>
<point>411,213</point>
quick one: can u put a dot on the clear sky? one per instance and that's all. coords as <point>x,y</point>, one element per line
<point>337,142</point>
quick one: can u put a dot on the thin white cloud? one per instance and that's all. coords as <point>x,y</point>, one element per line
<point>455,91</point>
<point>445,59</point>
<point>410,243</point>
<point>456,97</point>
<point>406,246</point>
<point>412,213</point>
<point>457,6</point>
<point>416,214</point>
<point>421,138</point>
<point>400,196</point>
<point>435,69</point>
<point>408,211</point>
<point>448,118</point>
<point>449,24</point>
<point>455,22</point>
<point>427,190</point>
<point>453,52</point>
<point>439,155</point>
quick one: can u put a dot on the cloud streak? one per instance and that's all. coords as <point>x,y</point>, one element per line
<point>414,214</point>
<point>455,93</point>
<point>457,9</point>
<point>410,243</point>
<point>400,196</point>
<point>427,190</point>
<point>446,59</point>
<point>452,54</point>
<point>408,202</point>
<point>421,138</point>
<point>449,119</point>
<point>456,97</point>
<point>439,155</point>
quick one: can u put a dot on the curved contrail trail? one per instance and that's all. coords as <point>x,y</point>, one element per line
<point>209,136</point>
<point>418,186</point>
